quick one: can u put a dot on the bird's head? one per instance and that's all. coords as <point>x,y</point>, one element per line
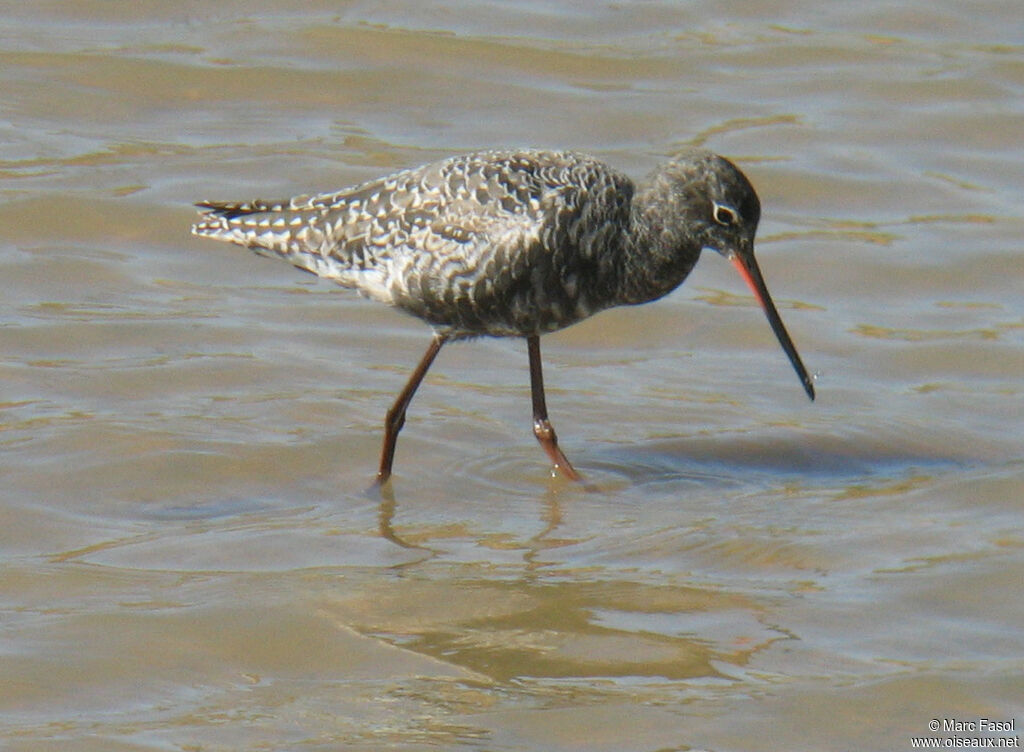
<point>720,211</point>
<point>718,206</point>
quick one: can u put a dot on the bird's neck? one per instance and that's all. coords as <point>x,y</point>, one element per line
<point>658,252</point>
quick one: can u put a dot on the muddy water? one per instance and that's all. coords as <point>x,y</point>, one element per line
<point>188,557</point>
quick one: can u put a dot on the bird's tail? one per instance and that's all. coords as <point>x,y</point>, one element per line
<point>281,227</point>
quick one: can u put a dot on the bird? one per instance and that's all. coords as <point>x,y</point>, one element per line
<point>512,243</point>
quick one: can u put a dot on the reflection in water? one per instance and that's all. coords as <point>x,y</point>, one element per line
<point>385,494</point>
<point>550,518</point>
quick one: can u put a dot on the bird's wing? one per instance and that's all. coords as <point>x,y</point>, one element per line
<point>431,233</point>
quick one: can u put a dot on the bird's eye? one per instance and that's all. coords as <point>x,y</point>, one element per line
<point>724,215</point>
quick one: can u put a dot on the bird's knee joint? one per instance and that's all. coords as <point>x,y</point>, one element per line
<point>394,420</point>
<point>543,431</point>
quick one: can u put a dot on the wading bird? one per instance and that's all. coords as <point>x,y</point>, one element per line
<point>511,244</point>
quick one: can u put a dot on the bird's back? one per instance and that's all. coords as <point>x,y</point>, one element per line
<point>499,242</point>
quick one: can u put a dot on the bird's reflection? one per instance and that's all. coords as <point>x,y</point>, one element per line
<point>385,495</point>
<point>550,517</point>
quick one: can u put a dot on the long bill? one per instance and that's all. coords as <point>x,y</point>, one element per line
<point>746,265</point>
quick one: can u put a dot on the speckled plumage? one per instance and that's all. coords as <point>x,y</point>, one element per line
<point>510,243</point>
<point>499,243</point>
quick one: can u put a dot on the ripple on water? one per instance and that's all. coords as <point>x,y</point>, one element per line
<point>254,547</point>
<point>735,461</point>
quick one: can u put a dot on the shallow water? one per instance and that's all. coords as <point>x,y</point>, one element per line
<point>189,558</point>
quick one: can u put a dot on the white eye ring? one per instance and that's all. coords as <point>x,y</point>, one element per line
<point>724,215</point>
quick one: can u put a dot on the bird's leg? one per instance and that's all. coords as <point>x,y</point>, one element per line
<point>542,428</point>
<point>396,415</point>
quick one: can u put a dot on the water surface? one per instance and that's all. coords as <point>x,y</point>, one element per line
<point>188,555</point>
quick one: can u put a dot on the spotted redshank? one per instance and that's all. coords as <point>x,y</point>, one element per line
<point>512,244</point>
